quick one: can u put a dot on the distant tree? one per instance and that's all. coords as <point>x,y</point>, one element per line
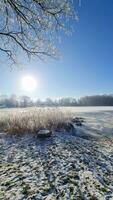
<point>49,102</point>
<point>67,101</point>
<point>3,100</point>
<point>38,102</point>
<point>13,101</point>
<point>30,25</point>
<point>96,100</point>
<point>25,101</point>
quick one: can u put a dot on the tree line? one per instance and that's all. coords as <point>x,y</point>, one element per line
<point>24,101</point>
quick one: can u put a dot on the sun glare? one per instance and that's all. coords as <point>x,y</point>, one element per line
<point>29,83</point>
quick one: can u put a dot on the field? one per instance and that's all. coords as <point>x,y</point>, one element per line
<point>73,164</point>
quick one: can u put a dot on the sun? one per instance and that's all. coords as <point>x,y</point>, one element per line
<point>29,83</point>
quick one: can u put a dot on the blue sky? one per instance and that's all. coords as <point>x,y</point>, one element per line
<point>86,66</point>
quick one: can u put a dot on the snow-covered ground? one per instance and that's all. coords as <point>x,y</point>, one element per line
<point>71,165</point>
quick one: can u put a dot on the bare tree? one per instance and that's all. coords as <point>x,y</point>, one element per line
<point>31,26</point>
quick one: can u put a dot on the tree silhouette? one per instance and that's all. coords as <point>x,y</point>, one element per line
<point>31,26</point>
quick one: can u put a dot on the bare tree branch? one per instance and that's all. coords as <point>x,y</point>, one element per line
<point>30,25</point>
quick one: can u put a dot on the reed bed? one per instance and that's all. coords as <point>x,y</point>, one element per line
<point>30,120</point>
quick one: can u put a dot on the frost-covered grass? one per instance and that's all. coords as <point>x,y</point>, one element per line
<point>31,119</point>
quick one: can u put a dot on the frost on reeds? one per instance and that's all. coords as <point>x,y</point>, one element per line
<point>31,120</point>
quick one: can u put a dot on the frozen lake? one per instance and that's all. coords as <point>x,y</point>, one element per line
<point>88,108</point>
<point>97,118</point>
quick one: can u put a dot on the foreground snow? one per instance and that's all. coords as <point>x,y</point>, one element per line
<point>66,166</point>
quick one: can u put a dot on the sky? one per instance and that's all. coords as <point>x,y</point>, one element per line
<point>86,65</point>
